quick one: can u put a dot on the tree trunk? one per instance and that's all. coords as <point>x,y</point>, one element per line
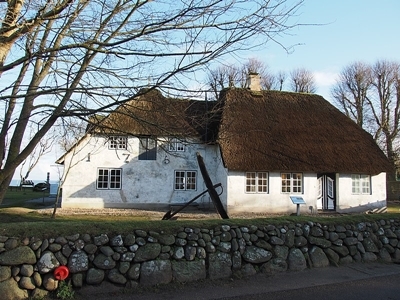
<point>4,184</point>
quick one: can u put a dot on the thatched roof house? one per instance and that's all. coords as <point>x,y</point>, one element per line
<point>272,130</point>
<point>262,146</point>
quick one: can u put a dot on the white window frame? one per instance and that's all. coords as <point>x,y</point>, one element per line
<point>292,183</point>
<point>360,184</point>
<point>109,179</point>
<point>185,180</point>
<point>257,182</point>
<point>175,145</point>
<point>117,142</point>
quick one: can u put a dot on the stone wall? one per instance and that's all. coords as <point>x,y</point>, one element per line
<point>148,258</point>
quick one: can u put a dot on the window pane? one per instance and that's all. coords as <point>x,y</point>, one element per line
<point>102,179</point>
<point>191,180</point>
<point>262,182</point>
<point>297,182</point>
<point>251,182</point>
<point>180,146</point>
<point>355,183</point>
<point>330,188</point>
<point>117,142</point>
<point>285,182</point>
<point>115,179</point>
<point>365,184</point>
<point>172,146</point>
<point>179,180</point>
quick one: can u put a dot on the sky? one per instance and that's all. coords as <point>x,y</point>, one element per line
<point>347,31</point>
<point>350,31</point>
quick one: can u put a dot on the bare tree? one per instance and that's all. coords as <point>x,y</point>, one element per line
<point>351,90</point>
<point>222,77</point>
<point>79,57</point>
<point>370,95</point>
<point>281,77</point>
<point>253,65</point>
<point>385,105</point>
<point>228,76</point>
<point>302,81</point>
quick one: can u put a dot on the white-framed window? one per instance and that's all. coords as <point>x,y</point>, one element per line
<point>176,145</point>
<point>256,182</point>
<point>117,142</point>
<point>185,180</point>
<point>292,183</point>
<point>109,179</point>
<point>147,148</point>
<point>360,184</point>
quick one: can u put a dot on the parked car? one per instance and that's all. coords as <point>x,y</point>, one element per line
<point>42,186</point>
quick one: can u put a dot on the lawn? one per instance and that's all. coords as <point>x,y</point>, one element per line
<point>25,220</point>
<point>17,197</point>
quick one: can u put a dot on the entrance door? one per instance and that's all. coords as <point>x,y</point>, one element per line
<point>326,191</point>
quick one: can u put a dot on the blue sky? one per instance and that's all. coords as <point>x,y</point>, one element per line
<point>353,30</point>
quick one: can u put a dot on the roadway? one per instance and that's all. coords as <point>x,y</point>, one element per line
<point>367,281</point>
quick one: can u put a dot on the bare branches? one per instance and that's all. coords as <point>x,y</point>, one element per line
<point>302,81</point>
<point>230,75</point>
<point>369,94</point>
<point>75,58</point>
<point>351,90</point>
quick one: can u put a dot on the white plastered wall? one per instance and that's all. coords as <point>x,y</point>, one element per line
<point>274,201</point>
<point>347,202</point>
<point>145,183</point>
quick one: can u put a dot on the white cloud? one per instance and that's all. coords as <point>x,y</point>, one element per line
<point>325,79</point>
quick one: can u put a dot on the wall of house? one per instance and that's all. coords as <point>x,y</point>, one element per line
<point>149,184</point>
<point>349,203</point>
<point>145,183</point>
<point>277,202</point>
<point>274,201</point>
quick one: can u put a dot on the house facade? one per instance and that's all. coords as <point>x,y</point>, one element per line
<point>136,172</point>
<point>262,146</point>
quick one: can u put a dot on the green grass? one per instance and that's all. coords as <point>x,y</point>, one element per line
<point>16,197</point>
<point>21,220</point>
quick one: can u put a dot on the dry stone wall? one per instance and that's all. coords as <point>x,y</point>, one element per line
<point>148,257</point>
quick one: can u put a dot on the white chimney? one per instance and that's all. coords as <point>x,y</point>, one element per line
<point>253,82</point>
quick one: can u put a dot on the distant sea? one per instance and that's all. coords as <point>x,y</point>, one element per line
<point>15,182</point>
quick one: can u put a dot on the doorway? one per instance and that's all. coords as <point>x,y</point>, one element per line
<point>326,191</point>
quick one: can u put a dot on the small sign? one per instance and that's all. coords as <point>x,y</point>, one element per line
<point>297,200</point>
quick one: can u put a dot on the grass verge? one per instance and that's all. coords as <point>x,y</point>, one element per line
<point>20,219</point>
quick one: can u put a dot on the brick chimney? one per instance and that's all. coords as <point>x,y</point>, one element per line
<point>253,82</point>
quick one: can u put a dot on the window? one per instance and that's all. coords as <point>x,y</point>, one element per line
<point>292,183</point>
<point>257,182</point>
<point>147,149</point>
<point>185,180</point>
<point>176,145</point>
<point>108,179</point>
<point>117,142</point>
<point>360,184</point>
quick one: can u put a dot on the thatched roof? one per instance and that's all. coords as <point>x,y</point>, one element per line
<point>268,130</point>
<point>152,114</point>
<point>283,131</point>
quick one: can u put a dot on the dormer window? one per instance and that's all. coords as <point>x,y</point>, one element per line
<point>176,145</point>
<point>117,142</point>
